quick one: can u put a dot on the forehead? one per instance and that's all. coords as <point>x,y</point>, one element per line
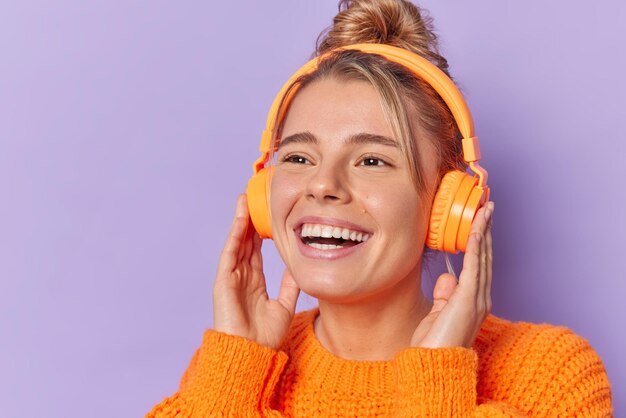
<point>337,109</point>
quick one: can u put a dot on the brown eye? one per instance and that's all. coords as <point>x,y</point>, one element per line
<point>295,159</point>
<point>373,162</point>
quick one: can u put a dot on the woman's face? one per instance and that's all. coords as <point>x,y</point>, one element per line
<point>346,217</point>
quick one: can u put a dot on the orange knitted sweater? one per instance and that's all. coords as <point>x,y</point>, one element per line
<point>513,370</point>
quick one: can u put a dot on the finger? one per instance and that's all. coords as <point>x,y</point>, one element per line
<point>482,298</point>
<point>248,247</point>
<point>483,250</point>
<point>469,277</point>
<point>472,259</point>
<point>481,219</point>
<point>289,292</point>
<point>444,288</point>
<point>232,247</point>
<point>482,274</point>
<point>256,259</point>
<point>488,241</point>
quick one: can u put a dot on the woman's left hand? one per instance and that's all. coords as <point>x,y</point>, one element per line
<point>459,309</point>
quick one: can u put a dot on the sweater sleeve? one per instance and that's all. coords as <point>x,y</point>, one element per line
<point>440,383</point>
<point>525,378</point>
<point>227,376</point>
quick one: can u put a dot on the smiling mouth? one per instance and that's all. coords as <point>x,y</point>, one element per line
<point>327,237</point>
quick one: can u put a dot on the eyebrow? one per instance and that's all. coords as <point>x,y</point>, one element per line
<point>307,137</point>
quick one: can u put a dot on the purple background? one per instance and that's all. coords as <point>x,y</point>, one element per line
<point>128,128</point>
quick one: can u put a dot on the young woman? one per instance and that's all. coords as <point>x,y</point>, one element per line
<point>366,153</point>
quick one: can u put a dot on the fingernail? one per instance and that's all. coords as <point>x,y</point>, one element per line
<point>489,211</point>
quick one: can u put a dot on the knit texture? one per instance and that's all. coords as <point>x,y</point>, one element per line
<point>513,370</point>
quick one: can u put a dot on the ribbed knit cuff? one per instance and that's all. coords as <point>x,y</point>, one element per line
<point>234,375</point>
<point>436,382</point>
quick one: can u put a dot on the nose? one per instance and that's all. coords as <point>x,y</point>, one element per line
<point>328,184</point>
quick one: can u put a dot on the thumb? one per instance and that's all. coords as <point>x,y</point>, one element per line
<point>289,292</point>
<point>444,288</point>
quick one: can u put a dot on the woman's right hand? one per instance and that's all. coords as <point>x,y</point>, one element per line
<point>241,305</point>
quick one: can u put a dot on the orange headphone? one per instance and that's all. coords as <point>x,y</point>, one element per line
<point>459,196</point>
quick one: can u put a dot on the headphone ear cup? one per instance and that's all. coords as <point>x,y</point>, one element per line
<point>474,202</point>
<point>441,209</point>
<point>456,202</point>
<point>258,203</point>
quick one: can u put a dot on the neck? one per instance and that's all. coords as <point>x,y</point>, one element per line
<point>376,328</point>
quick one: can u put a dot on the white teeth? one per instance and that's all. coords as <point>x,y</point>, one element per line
<point>324,246</point>
<point>328,231</point>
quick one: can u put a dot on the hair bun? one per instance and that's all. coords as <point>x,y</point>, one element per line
<point>394,22</point>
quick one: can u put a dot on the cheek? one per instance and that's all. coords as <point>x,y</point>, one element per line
<point>283,195</point>
<point>402,219</point>
<point>396,206</point>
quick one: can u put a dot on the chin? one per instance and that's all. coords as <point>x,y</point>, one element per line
<point>328,287</point>
<point>336,289</point>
